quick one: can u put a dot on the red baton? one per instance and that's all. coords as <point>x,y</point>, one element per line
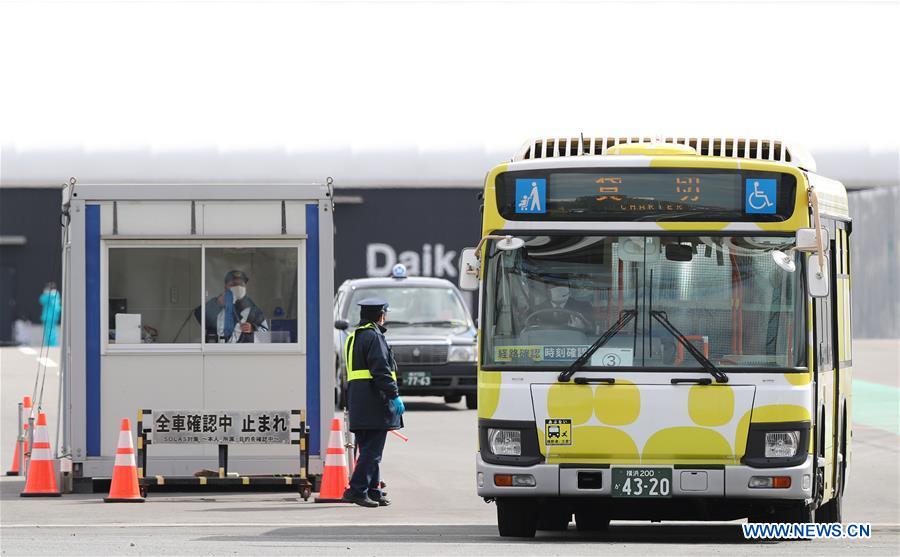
<point>400,435</point>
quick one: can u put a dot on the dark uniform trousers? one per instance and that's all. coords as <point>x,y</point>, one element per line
<point>366,476</point>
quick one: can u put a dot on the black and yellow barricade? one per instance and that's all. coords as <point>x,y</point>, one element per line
<point>221,428</point>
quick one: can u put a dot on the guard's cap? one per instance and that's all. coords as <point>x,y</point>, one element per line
<point>373,304</point>
<point>236,274</point>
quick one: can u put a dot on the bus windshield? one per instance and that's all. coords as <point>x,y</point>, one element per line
<point>548,301</point>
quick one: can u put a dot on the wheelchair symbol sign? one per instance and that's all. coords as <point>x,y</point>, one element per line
<point>761,196</point>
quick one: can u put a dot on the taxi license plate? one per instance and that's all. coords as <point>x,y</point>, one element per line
<point>641,482</point>
<point>417,379</point>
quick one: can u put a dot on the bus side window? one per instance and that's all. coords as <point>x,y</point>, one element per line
<point>823,334</point>
<point>824,307</point>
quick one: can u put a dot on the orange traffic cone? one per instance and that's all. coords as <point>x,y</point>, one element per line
<point>26,411</point>
<point>124,487</point>
<point>41,481</point>
<point>336,478</point>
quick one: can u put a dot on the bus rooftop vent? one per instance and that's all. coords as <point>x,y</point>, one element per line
<point>757,149</point>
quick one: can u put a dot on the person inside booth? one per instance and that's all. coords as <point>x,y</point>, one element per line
<point>232,317</point>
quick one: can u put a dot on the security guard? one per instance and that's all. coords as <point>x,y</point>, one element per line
<point>372,399</point>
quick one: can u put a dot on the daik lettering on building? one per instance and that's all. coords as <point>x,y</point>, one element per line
<point>435,261</point>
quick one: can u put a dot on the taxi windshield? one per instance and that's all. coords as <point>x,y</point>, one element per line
<point>548,301</point>
<point>414,305</point>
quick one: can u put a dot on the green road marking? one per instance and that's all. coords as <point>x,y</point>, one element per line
<point>876,405</point>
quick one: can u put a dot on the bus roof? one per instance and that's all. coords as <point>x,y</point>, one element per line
<point>741,148</point>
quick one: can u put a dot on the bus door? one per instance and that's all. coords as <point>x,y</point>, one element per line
<point>842,347</point>
<point>825,349</point>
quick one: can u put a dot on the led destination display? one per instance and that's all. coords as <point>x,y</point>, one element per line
<point>646,194</point>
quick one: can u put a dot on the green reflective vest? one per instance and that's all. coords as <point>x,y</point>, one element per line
<point>354,374</point>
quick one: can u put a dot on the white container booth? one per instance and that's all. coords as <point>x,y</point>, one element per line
<point>148,271</point>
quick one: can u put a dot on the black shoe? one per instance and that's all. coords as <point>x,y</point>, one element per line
<point>360,499</point>
<point>380,498</point>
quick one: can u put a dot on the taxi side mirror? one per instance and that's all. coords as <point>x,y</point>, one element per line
<point>341,325</point>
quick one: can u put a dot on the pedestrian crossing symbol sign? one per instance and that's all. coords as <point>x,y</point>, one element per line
<point>531,195</point>
<point>557,432</point>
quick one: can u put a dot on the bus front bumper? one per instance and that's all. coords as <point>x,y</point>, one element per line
<point>563,480</point>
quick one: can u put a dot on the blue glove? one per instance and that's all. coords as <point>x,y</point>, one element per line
<point>398,406</point>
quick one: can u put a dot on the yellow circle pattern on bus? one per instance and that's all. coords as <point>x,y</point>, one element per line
<point>711,406</point>
<point>488,393</point>
<point>798,379</point>
<point>618,404</point>
<point>596,444</point>
<point>686,443</point>
<point>740,436</point>
<point>575,402</point>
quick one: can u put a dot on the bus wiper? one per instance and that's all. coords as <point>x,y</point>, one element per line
<point>624,317</point>
<point>708,366</point>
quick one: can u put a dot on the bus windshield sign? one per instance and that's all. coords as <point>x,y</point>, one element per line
<point>647,194</point>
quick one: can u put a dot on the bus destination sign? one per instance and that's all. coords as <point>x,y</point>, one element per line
<point>652,194</point>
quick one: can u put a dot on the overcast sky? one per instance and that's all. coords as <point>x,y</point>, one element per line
<point>443,75</point>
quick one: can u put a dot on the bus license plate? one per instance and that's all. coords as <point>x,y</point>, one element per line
<point>417,379</point>
<point>641,482</point>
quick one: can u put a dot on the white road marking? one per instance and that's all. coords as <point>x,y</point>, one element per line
<point>330,524</point>
<point>27,350</point>
<point>239,525</point>
<point>47,362</point>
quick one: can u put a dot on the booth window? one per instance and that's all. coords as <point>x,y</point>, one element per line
<point>250,295</point>
<point>152,295</point>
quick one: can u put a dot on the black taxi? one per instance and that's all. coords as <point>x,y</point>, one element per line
<point>429,330</point>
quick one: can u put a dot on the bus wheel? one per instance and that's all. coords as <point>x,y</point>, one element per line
<point>517,518</point>
<point>830,511</point>
<point>591,521</point>
<point>798,512</point>
<point>554,517</point>
<point>472,401</point>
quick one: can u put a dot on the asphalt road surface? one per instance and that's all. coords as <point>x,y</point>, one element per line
<point>431,481</point>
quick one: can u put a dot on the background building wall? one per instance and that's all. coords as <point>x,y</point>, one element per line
<point>423,228</point>
<point>31,215</point>
<point>875,263</point>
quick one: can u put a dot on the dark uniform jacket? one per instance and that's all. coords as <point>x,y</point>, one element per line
<point>368,399</point>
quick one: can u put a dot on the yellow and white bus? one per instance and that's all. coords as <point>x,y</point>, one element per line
<point>664,334</point>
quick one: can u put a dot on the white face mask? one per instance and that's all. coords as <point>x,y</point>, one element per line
<point>238,292</point>
<point>559,295</point>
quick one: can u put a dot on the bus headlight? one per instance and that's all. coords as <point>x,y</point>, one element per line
<point>506,442</point>
<point>782,444</point>
<point>462,354</point>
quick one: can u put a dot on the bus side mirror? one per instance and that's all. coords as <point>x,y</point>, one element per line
<point>469,269</point>
<point>816,277</point>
